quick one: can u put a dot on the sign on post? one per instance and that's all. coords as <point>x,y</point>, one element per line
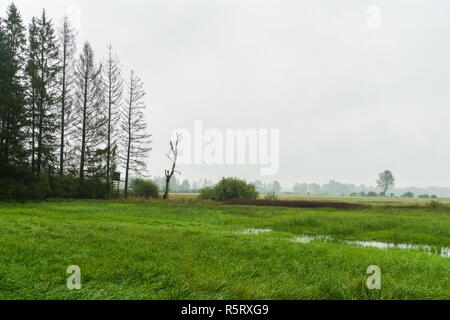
<point>116,176</point>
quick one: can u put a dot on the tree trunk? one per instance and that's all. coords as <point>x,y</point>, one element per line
<point>7,136</point>
<point>129,140</point>
<point>166,191</point>
<point>39,155</point>
<point>108,156</point>
<point>126,174</point>
<point>83,138</point>
<point>63,111</point>
<point>41,116</point>
<point>128,159</point>
<point>33,134</point>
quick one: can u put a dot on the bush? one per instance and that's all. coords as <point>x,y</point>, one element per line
<point>21,184</point>
<point>144,189</point>
<point>372,194</point>
<point>94,188</point>
<point>271,196</point>
<point>434,204</point>
<point>67,186</point>
<point>207,193</point>
<point>230,189</point>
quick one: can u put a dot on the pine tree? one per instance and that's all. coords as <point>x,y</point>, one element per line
<point>66,81</point>
<point>133,125</point>
<point>13,113</point>
<point>46,113</point>
<point>32,85</point>
<point>89,103</point>
<point>114,88</point>
<point>5,62</point>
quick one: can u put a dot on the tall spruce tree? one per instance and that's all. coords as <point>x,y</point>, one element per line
<point>13,112</point>
<point>89,105</point>
<point>46,91</point>
<point>5,62</point>
<point>66,80</point>
<point>114,90</point>
<point>4,70</point>
<point>136,140</point>
<point>32,86</point>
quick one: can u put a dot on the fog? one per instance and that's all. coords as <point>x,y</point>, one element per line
<point>351,90</point>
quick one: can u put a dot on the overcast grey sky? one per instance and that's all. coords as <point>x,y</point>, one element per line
<point>350,101</point>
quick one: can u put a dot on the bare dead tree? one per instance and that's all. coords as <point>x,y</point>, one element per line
<point>67,46</point>
<point>114,89</point>
<point>173,157</point>
<point>89,100</point>
<point>136,140</point>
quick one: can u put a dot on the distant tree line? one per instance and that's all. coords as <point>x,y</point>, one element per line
<point>266,188</point>
<point>183,186</point>
<point>339,189</point>
<point>66,121</point>
<point>186,186</point>
<point>331,188</point>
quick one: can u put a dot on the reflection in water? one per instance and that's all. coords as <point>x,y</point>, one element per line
<point>444,252</point>
<point>256,231</point>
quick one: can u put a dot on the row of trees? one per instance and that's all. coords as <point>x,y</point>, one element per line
<point>186,186</point>
<point>183,186</point>
<point>264,188</point>
<point>385,182</point>
<point>332,188</point>
<point>67,116</point>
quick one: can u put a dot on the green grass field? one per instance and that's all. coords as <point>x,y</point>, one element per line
<point>186,249</point>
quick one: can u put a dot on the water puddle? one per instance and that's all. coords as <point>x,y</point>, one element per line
<point>308,239</point>
<point>305,239</point>
<point>444,252</point>
<point>256,231</point>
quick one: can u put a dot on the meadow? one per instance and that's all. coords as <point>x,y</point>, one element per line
<point>188,249</point>
<point>382,201</point>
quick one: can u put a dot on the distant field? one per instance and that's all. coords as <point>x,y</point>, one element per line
<point>366,200</point>
<point>186,249</point>
<point>362,200</point>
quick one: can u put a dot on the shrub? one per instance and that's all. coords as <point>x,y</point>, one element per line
<point>271,196</point>
<point>144,189</point>
<point>207,193</point>
<point>372,194</point>
<point>434,204</point>
<point>230,189</point>
<point>20,183</point>
<point>66,186</point>
<point>94,188</point>
<point>17,183</point>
